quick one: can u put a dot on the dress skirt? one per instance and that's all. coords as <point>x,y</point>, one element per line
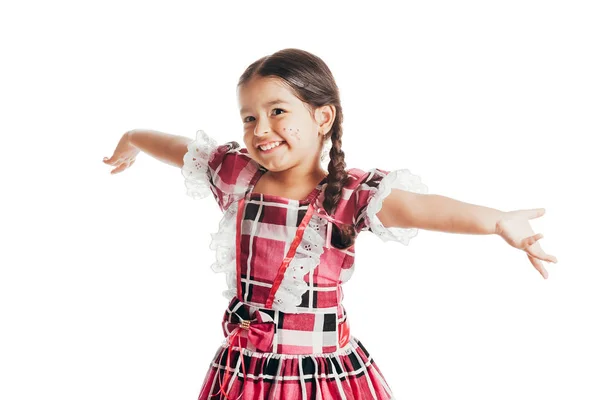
<point>349,373</point>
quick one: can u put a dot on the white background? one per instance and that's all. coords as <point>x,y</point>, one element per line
<point>105,285</point>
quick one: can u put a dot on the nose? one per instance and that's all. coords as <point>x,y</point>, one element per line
<point>262,127</point>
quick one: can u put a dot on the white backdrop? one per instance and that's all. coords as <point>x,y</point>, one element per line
<point>105,285</point>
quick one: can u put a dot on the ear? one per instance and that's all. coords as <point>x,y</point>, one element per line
<point>325,118</point>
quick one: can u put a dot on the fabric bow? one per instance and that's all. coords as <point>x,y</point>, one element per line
<point>260,331</point>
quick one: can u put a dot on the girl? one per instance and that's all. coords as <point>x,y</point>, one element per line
<point>286,240</point>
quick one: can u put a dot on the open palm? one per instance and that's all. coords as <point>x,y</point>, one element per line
<point>515,229</point>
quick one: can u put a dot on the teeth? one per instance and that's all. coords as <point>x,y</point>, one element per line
<point>270,146</point>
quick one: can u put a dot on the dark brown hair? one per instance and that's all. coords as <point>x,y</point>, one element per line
<point>312,82</point>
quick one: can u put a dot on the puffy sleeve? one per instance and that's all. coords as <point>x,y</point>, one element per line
<point>373,187</point>
<point>224,170</point>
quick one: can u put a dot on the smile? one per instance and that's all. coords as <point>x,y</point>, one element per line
<point>268,147</point>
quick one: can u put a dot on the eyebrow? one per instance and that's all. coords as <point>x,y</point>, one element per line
<point>267,104</point>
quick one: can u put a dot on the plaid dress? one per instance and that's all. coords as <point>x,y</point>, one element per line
<point>286,331</point>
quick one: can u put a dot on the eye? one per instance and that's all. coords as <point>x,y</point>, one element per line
<point>275,109</point>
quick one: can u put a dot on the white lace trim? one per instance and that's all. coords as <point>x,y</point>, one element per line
<point>293,286</point>
<point>306,259</point>
<point>195,165</point>
<point>309,251</point>
<point>399,179</point>
<point>224,244</point>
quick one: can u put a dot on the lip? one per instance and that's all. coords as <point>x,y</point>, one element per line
<point>271,150</point>
<point>270,141</point>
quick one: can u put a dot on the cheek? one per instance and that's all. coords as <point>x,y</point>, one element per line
<point>294,132</point>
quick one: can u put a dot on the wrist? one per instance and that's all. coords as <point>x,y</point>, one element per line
<point>500,215</point>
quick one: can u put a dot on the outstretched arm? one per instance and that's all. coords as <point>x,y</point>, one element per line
<point>165,147</point>
<point>440,213</point>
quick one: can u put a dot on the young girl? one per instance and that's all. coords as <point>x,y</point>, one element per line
<point>286,240</point>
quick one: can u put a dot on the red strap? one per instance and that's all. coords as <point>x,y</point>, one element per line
<point>286,261</point>
<point>290,255</point>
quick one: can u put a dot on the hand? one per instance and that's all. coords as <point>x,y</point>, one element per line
<point>123,156</point>
<point>514,228</point>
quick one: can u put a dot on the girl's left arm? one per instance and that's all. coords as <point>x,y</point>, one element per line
<point>407,209</point>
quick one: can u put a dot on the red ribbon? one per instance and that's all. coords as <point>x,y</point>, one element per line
<point>260,333</point>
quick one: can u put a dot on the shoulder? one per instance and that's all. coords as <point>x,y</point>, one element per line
<point>356,192</point>
<point>225,169</point>
<point>359,179</point>
<point>230,160</point>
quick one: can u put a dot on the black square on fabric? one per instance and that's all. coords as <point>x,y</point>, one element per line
<point>329,323</point>
<point>308,367</point>
<point>270,313</point>
<point>247,360</point>
<point>356,364</point>
<point>271,369</point>
<point>251,211</point>
<point>315,296</point>
<point>363,348</point>
<point>300,216</point>
<point>338,368</point>
<point>304,302</point>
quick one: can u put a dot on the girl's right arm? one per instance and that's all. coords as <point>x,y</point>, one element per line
<point>165,147</point>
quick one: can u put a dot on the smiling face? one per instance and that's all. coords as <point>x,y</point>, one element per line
<point>270,112</point>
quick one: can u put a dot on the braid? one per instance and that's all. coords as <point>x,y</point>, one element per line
<point>342,236</point>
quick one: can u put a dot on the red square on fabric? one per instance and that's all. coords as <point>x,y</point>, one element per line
<point>325,299</point>
<point>275,216</point>
<point>267,255</point>
<point>291,349</point>
<point>258,294</point>
<point>299,322</point>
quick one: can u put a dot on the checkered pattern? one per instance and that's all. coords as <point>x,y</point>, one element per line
<point>230,171</point>
<point>307,358</point>
<point>302,333</point>
<point>233,172</point>
<point>348,374</point>
<point>270,222</point>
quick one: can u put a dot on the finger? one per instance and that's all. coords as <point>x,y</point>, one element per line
<point>536,251</point>
<point>535,213</point>
<point>109,160</point>
<point>113,161</point>
<point>120,168</point>
<point>530,241</point>
<point>538,265</point>
<point>546,257</point>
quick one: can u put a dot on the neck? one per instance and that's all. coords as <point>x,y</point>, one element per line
<point>293,176</point>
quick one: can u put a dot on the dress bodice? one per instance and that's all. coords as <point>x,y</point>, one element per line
<point>294,280</point>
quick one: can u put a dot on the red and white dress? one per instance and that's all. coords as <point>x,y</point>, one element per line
<point>286,331</point>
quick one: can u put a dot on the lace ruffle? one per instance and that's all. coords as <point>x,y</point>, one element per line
<point>195,165</point>
<point>223,243</point>
<point>306,259</point>
<point>293,286</point>
<point>399,179</point>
